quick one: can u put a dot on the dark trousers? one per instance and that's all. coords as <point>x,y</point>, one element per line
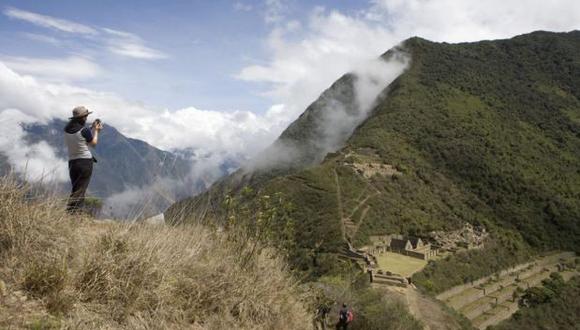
<point>341,325</point>
<point>80,171</point>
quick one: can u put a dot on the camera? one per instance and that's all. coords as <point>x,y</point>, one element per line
<point>97,123</point>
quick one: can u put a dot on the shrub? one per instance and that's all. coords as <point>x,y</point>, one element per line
<point>93,205</point>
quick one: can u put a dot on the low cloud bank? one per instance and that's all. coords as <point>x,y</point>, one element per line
<point>36,162</point>
<point>215,137</point>
<point>142,202</point>
<point>330,121</point>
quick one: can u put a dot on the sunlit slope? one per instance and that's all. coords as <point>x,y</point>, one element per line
<point>485,132</point>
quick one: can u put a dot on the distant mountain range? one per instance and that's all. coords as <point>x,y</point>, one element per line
<point>144,178</point>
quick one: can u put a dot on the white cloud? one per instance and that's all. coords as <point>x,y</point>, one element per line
<point>54,69</point>
<point>117,42</point>
<point>470,20</point>
<point>25,94</point>
<point>228,133</point>
<point>135,50</point>
<point>140,202</point>
<point>35,162</point>
<point>50,22</point>
<point>301,68</point>
<point>121,34</point>
<point>131,45</point>
<point>42,38</point>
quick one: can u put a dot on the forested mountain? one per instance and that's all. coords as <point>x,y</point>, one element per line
<point>486,133</point>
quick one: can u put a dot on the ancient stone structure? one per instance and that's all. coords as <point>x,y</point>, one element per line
<point>387,278</point>
<point>410,246</point>
<point>465,238</point>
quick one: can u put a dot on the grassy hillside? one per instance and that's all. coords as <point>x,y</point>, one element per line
<point>486,133</point>
<point>59,271</point>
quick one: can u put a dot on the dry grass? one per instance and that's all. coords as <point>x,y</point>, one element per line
<point>60,271</point>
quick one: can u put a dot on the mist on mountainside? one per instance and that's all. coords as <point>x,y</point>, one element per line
<point>330,120</point>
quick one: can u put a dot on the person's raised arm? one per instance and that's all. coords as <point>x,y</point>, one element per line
<point>95,129</point>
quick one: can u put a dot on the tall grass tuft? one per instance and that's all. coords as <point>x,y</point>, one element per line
<point>78,273</point>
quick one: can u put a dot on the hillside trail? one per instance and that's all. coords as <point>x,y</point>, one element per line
<point>348,226</point>
<point>339,205</point>
<point>427,310</point>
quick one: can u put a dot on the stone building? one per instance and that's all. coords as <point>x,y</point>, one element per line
<point>409,246</point>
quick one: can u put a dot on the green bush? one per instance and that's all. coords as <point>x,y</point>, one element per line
<point>92,205</point>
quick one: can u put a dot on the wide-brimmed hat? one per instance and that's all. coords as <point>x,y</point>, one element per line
<point>80,112</point>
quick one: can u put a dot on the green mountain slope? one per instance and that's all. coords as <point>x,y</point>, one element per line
<point>485,132</point>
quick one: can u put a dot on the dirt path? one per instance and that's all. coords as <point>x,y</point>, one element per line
<point>339,205</point>
<point>359,205</point>
<point>427,310</point>
<point>348,225</point>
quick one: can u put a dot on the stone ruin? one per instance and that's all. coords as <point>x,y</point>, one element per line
<point>410,246</point>
<point>466,238</point>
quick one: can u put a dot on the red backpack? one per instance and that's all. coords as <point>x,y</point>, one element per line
<point>349,316</point>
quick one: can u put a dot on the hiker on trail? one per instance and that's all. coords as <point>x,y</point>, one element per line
<point>77,138</point>
<point>345,316</point>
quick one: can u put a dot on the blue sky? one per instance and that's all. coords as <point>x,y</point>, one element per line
<point>205,45</point>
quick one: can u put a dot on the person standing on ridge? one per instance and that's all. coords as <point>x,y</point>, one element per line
<point>77,138</point>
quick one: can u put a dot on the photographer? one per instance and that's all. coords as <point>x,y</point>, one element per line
<point>77,138</point>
